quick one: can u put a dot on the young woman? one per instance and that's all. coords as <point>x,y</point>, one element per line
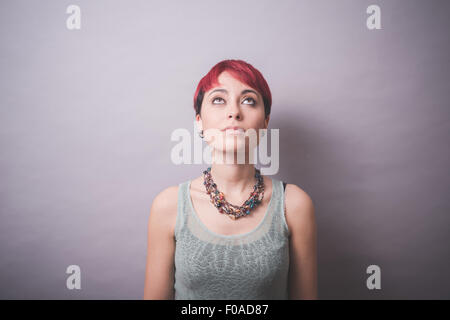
<point>231,233</point>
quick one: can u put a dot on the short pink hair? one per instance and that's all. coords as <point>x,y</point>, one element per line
<point>241,71</point>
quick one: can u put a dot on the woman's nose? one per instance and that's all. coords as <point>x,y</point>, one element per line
<point>234,112</point>
<point>234,115</point>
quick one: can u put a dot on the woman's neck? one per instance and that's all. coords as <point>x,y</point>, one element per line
<point>233,178</point>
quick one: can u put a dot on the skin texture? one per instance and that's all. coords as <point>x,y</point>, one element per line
<point>221,109</point>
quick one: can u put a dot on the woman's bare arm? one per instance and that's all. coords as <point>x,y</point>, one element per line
<point>303,245</point>
<point>159,271</point>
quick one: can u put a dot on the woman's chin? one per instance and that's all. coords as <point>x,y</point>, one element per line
<point>230,147</point>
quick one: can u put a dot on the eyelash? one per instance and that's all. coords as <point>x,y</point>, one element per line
<point>254,101</point>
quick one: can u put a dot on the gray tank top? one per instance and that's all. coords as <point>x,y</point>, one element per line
<point>248,266</point>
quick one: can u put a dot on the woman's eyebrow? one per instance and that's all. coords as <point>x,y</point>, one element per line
<point>248,90</point>
<point>223,90</point>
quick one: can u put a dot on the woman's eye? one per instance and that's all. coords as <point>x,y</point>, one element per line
<point>217,99</point>
<point>253,100</point>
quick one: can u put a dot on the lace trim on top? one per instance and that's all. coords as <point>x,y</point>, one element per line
<point>199,229</point>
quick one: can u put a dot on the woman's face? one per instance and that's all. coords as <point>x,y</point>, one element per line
<point>232,103</point>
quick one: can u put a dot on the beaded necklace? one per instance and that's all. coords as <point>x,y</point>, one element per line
<point>234,212</point>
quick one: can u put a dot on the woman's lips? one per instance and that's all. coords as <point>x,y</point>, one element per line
<point>232,128</point>
<point>234,131</point>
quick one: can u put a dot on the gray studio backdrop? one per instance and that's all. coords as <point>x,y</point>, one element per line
<point>87,115</point>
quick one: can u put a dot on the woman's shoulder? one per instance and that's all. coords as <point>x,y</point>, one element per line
<point>164,208</point>
<point>165,205</point>
<point>296,192</point>
<point>299,204</point>
<point>166,197</point>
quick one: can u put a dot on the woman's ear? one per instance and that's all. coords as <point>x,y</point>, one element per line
<point>199,122</point>
<point>266,122</point>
